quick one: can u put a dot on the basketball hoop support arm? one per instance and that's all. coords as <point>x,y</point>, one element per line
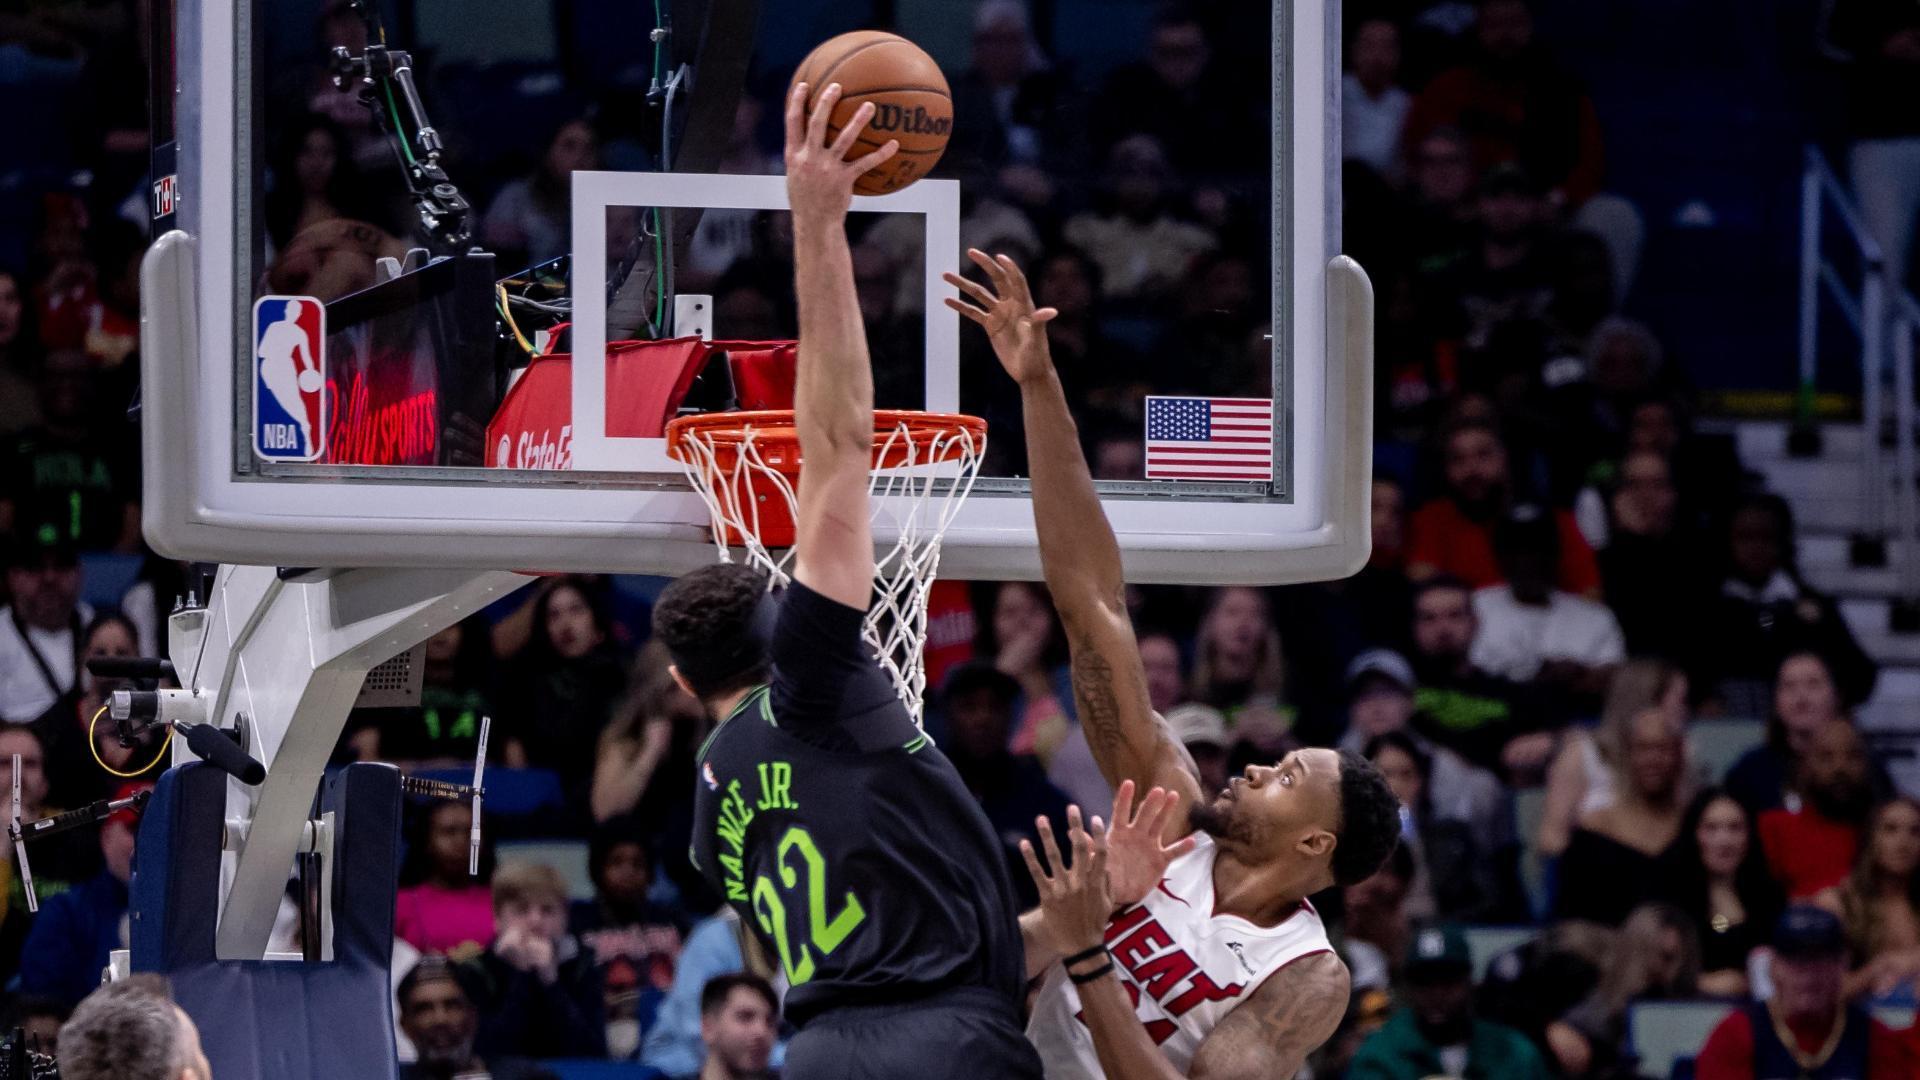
<point>283,656</point>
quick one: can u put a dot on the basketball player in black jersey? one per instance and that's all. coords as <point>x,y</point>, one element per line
<point>843,838</point>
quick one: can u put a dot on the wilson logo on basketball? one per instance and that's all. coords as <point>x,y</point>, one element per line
<point>914,121</point>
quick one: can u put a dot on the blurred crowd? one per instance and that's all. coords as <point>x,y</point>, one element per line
<point>1570,586</point>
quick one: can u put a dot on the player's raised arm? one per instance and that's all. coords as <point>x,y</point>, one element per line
<point>833,390</point>
<point>1078,552</point>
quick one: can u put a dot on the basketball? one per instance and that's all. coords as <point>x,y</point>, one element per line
<point>309,381</point>
<point>910,98</point>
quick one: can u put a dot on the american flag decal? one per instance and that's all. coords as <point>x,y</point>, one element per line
<point>1190,438</point>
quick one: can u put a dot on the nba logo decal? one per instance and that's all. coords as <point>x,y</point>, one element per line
<point>289,378</point>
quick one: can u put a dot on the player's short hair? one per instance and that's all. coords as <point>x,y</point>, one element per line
<point>525,883</point>
<point>713,996</point>
<point>1369,821</point>
<point>125,1030</point>
<point>713,625</point>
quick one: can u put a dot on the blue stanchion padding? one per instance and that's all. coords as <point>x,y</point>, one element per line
<point>287,1020</point>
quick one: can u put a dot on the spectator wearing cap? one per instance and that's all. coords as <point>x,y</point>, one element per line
<point>1485,719</point>
<point>40,630</point>
<point>1531,631</point>
<point>1453,534</point>
<point>977,701</point>
<point>1380,689</point>
<point>438,1015</point>
<point>76,932</point>
<point>1806,1029</point>
<point>1437,1034</point>
<point>1202,729</point>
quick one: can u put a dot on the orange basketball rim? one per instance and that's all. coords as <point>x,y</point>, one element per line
<point>747,464</point>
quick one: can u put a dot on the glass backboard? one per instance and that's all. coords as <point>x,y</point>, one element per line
<point>435,282</point>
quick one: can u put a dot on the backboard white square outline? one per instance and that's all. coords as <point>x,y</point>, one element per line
<point>937,202</point>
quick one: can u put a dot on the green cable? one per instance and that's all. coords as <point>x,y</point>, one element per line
<point>659,272</point>
<point>406,144</point>
<point>657,41</point>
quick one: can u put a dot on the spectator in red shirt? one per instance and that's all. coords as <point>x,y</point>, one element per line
<point>1516,105</point>
<point>1453,534</point>
<point>1811,842</point>
<point>1806,1030</point>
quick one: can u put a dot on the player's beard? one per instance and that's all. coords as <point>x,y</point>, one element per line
<point>1220,819</point>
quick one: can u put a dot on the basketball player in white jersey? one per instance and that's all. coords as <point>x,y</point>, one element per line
<point>1220,969</point>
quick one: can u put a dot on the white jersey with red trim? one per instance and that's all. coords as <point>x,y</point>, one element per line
<point>1184,966</point>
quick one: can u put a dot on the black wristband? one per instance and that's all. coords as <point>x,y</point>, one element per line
<point>1085,954</point>
<point>1086,977</point>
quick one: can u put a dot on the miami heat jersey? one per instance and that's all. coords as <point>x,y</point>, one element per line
<point>1183,965</point>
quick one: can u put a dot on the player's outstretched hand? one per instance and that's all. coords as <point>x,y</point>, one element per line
<point>1136,859</point>
<point>819,176</point>
<point>1018,331</point>
<point>1073,898</point>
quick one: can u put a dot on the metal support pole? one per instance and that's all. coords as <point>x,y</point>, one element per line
<point>1907,542</point>
<point>1809,293</point>
<point>1873,368</point>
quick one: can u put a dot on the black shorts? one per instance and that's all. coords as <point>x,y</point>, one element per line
<point>970,1033</point>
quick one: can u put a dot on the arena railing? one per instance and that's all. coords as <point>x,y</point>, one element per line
<point>1884,317</point>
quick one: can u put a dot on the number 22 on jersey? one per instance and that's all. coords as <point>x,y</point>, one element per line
<point>824,933</point>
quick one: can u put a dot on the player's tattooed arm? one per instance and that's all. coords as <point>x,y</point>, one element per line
<point>1270,1034</point>
<point>1128,739</point>
<point>1078,553</point>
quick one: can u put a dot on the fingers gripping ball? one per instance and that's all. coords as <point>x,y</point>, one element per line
<point>909,94</point>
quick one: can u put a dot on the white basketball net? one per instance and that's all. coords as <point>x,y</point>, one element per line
<point>914,500</point>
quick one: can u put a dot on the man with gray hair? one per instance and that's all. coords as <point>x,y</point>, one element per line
<point>131,1030</point>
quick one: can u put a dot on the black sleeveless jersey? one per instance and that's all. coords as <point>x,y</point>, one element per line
<point>843,837</point>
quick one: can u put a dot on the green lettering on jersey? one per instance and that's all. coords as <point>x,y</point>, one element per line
<point>776,787</point>
<point>824,933</point>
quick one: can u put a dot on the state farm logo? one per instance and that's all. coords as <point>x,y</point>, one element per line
<point>537,450</point>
